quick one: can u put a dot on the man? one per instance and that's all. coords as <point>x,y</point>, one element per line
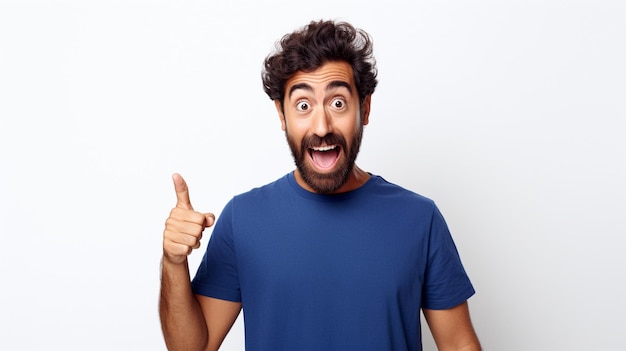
<point>328,257</point>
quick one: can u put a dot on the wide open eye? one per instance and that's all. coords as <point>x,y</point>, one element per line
<point>338,103</point>
<point>303,106</point>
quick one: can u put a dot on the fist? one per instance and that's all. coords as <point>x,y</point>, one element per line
<point>184,226</point>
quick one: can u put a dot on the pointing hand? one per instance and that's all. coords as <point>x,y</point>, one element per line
<point>184,226</point>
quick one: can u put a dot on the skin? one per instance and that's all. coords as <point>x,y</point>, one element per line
<point>189,321</point>
<point>452,329</point>
<point>319,103</point>
<point>316,103</point>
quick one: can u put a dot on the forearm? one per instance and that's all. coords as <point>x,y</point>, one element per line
<point>182,321</point>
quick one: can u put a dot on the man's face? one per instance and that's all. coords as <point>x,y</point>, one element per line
<point>323,123</point>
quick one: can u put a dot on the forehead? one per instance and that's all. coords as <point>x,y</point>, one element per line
<point>322,77</point>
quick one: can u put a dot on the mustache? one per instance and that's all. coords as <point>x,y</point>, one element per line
<point>312,141</point>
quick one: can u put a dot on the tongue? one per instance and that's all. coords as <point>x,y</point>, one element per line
<point>324,159</point>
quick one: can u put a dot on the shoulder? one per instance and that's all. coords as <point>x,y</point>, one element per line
<point>259,197</point>
<point>279,186</point>
<point>384,188</point>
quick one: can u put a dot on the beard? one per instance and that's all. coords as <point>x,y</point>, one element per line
<point>326,183</point>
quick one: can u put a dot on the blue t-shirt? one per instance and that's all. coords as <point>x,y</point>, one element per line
<point>332,272</point>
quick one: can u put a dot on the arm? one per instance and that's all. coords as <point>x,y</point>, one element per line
<point>220,315</point>
<point>189,322</point>
<point>452,328</point>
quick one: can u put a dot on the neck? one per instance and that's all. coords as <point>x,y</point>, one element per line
<point>356,179</point>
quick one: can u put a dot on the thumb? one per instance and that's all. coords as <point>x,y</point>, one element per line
<point>209,219</point>
<point>182,192</point>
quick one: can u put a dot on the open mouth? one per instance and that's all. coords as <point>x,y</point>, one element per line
<point>325,157</point>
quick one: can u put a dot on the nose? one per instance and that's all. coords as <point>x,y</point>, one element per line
<point>321,123</point>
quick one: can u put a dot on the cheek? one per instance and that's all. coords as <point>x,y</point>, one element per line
<point>296,127</point>
<point>348,126</point>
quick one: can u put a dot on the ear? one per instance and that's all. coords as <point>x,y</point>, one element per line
<point>281,114</point>
<point>365,109</point>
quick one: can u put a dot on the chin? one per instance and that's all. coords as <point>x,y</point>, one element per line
<point>327,182</point>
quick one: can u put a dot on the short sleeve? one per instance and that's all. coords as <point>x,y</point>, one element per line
<point>446,283</point>
<point>217,274</point>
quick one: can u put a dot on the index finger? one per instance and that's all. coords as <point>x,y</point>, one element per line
<point>182,192</point>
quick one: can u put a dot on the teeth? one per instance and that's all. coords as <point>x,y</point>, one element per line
<point>324,148</point>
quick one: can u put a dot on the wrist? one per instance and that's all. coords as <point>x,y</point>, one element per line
<point>174,261</point>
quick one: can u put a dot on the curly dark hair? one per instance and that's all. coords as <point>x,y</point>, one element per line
<point>314,45</point>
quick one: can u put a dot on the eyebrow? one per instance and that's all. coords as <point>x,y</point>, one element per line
<point>331,85</point>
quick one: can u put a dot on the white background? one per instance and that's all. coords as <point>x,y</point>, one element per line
<point>510,115</point>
